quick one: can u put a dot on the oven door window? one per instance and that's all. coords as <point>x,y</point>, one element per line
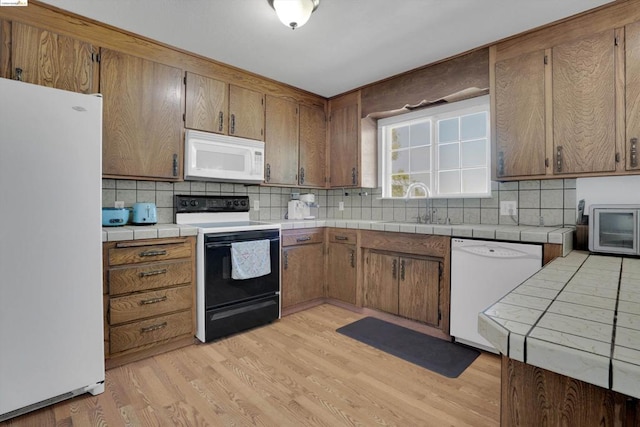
<point>221,289</point>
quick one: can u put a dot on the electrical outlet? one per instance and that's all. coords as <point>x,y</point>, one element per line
<point>118,204</point>
<point>256,205</point>
<point>340,206</point>
<point>508,208</point>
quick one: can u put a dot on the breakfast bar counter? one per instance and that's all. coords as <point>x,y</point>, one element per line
<point>579,320</point>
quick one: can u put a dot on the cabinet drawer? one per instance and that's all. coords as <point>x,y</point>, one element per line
<point>148,253</point>
<point>342,235</point>
<point>302,237</point>
<point>150,276</point>
<point>149,304</point>
<point>134,335</point>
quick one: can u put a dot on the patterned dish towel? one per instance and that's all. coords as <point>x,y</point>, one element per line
<point>250,259</point>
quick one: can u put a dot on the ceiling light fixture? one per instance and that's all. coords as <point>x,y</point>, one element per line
<point>294,13</point>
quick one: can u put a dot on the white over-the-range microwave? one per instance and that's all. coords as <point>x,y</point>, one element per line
<point>614,229</point>
<point>213,157</point>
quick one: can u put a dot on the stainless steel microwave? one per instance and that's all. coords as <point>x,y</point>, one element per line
<point>614,229</point>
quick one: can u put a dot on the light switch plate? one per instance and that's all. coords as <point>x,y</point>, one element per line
<point>508,208</point>
<point>340,206</point>
<point>256,205</point>
<point>118,204</point>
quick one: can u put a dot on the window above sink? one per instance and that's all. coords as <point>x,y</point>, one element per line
<point>446,147</point>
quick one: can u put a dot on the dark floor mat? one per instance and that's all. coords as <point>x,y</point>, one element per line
<point>443,357</point>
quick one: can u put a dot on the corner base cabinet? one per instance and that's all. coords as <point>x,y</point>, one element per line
<point>149,297</point>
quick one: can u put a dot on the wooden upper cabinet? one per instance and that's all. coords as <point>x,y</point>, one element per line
<point>520,115</point>
<point>207,104</point>
<point>313,144</point>
<point>246,113</point>
<point>584,109</point>
<point>142,113</point>
<point>632,61</point>
<point>281,141</point>
<point>49,59</point>
<point>344,141</point>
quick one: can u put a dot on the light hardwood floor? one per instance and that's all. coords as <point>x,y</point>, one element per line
<point>295,372</point>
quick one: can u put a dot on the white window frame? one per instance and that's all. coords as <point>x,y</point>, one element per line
<point>433,114</point>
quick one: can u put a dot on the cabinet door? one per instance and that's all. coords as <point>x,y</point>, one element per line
<point>632,35</point>
<point>341,272</point>
<point>584,105</point>
<point>343,144</point>
<point>520,115</point>
<point>142,128</point>
<point>50,59</point>
<point>206,104</point>
<point>302,274</point>
<point>419,290</point>
<point>246,113</point>
<point>381,282</point>
<point>313,144</point>
<point>281,141</point>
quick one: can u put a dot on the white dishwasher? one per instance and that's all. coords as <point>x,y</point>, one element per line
<point>482,272</point>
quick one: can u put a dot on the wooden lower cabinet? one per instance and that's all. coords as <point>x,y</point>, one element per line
<point>402,285</point>
<point>381,282</point>
<point>302,266</point>
<point>419,290</point>
<point>533,396</point>
<point>342,264</point>
<point>149,293</point>
<point>341,272</point>
<point>407,275</point>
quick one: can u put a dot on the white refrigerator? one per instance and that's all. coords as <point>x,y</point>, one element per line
<point>51,327</point>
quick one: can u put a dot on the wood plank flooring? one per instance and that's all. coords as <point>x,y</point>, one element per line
<point>295,372</point>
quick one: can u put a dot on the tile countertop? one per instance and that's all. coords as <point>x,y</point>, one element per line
<point>579,316</point>
<point>156,231</point>
<point>557,235</point>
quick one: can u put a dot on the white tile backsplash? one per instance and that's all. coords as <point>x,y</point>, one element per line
<point>554,201</point>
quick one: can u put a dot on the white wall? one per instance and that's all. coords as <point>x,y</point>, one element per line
<point>611,189</point>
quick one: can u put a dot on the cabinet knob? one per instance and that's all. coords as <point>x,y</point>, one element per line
<point>220,121</point>
<point>301,175</point>
<point>394,269</point>
<point>233,124</point>
<point>402,270</point>
<point>354,176</point>
<point>286,260</point>
<point>634,152</point>
<point>18,75</point>
<point>175,165</point>
<point>268,173</point>
<point>352,258</point>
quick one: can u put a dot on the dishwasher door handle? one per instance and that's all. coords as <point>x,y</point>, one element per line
<point>493,252</point>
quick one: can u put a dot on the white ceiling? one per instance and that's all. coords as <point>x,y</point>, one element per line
<point>346,43</point>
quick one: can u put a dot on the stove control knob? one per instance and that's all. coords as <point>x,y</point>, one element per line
<point>194,203</point>
<point>236,203</point>
<point>243,202</point>
<point>184,203</point>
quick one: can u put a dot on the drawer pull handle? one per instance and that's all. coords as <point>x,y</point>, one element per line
<point>303,239</point>
<point>153,300</point>
<point>153,327</point>
<point>153,253</point>
<point>153,273</point>
<point>342,238</point>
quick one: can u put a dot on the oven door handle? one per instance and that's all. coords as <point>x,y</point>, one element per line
<point>212,245</point>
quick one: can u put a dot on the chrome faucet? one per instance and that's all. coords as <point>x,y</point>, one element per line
<point>415,185</point>
<point>427,216</point>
